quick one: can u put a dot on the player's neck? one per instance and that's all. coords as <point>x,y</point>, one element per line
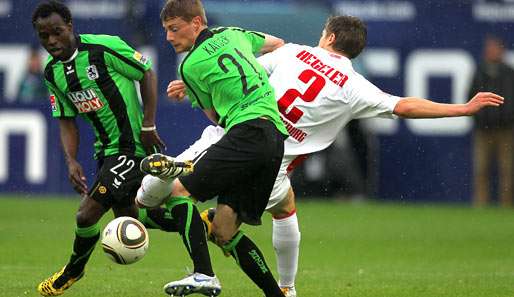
<point>73,50</point>
<point>333,51</point>
<point>200,30</point>
<point>73,55</point>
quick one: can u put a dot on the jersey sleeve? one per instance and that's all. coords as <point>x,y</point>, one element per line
<point>256,39</point>
<point>61,107</point>
<point>126,60</point>
<point>271,60</point>
<point>367,100</point>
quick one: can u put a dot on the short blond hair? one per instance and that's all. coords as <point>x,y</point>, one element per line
<point>185,9</point>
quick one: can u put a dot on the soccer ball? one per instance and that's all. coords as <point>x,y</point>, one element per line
<point>125,240</point>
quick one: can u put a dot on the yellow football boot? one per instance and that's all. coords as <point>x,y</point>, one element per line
<point>207,217</point>
<point>165,167</point>
<point>46,287</point>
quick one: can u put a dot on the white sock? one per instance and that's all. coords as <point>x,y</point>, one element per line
<point>153,191</point>
<point>286,241</point>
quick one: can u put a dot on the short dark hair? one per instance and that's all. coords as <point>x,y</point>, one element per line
<point>45,9</point>
<point>350,32</point>
<point>185,9</point>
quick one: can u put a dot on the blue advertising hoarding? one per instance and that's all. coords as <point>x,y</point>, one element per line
<point>415,48</point>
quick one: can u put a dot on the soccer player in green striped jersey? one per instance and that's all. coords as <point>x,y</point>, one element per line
<point>92,76</point>
<point>223,78</point>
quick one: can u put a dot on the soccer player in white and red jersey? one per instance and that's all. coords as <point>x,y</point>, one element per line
<point>318,92</point>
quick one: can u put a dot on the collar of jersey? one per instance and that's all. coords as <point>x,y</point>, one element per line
<point>75,53</point>
<point>203,36</point>
<point>342,58</point>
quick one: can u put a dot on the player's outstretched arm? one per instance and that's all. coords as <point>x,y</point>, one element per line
<point>412,107</point>
<point>70,143</point>
<point>149,137</point>
<point>271,43</point>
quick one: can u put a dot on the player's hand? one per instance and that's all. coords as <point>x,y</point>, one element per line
<point>482,100</point>
<point>77,178</point>
<point>152,143</point>
<point>176,90</point>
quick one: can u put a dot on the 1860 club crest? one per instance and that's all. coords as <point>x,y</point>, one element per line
<point>92,72</point>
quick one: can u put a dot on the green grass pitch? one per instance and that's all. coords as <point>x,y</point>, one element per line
<point>354,250</point>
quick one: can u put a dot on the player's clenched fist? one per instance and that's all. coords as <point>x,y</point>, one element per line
<point>176,90</point>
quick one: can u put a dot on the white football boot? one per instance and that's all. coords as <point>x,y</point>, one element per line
<point>194,283</point>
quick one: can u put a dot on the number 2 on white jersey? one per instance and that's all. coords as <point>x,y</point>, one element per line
<point>284,103</point>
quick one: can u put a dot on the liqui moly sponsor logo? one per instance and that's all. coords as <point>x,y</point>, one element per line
<point>86,100</point>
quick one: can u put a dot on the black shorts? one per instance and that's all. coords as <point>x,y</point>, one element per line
<point>117,180</point>
<point>240,169</point>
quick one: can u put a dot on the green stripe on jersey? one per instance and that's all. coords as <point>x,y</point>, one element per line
<point>98,85</point>
<point>222,73</point>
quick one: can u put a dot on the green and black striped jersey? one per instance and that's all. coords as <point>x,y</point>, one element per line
<point>97,83</point>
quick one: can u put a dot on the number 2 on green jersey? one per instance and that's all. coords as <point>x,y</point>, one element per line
<point>246,90</point>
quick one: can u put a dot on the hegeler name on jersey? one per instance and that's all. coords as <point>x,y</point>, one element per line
<point>86,100</point>
<point>333,75</point>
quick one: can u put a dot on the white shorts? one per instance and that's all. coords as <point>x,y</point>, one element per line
<point>213,134</point>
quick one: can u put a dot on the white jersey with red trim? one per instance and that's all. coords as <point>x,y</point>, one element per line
<point>318,93</point>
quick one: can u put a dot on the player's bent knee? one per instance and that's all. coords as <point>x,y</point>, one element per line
<point>84,218</point>
<point>225,224</point>
<point>222,237</point>
<point>285,208</point>
<point>179,189</point>
<point>90,212</point>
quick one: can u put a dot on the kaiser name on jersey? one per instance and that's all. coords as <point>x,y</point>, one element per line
<point>85,100</point>
<point>333,75</point>
<point>214,44</point>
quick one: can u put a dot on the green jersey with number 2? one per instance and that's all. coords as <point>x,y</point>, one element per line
<point>221,73</point>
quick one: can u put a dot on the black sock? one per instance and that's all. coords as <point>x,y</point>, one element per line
<point>158,218</point>
<point>191,229</point>
<point>250,259</point>
<point>83,246</point>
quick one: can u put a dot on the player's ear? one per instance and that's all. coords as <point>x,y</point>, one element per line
<point>331,39</point>
<point>197,23</point>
